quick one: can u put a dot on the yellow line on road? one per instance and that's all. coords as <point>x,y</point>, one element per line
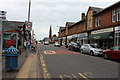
<point>61,77</point>
<point>83,76</point>
<point>74,77</point>
<point>46,74</point>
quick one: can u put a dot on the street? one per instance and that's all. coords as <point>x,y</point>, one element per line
<point>58,62</point>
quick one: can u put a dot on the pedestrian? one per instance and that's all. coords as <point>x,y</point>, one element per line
<point>28,45</point>
<point>19,46</point>
<point>25,44</point>
<point>34,46</point>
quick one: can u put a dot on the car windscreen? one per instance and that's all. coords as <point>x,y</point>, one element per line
<point>94,46</point>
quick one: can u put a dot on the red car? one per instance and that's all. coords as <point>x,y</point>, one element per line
<point>112,53</point>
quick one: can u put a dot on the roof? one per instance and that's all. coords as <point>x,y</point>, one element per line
<point>7,25</point>
<point>77,23</point>
<point>70,23</point>
<point>117,3</point>
<point>62,28</point>
<point>11,25</point>
<point>18,23</point>
<point>96,9</point>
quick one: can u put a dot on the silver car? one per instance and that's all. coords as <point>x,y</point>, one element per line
<point>57,44</point>
<point>91,49</point>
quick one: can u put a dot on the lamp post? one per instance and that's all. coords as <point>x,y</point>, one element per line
<point>29,9</point>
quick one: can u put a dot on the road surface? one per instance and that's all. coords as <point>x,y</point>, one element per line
<point>58,62</point>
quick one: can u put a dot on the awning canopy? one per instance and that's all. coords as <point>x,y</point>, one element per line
<point>108,35</point>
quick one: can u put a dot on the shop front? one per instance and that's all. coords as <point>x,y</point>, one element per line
<point>117,36</point>
<point>104,38</point>
<point>69,39</point>
<point>82,38</point>
<point>74,38</point>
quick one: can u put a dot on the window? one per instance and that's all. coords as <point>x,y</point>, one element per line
<point>113,16</point>
<point>116,48</point>
<point>77,29</point>
<point>118,14</point>
<point>90,23</point>
<point>97,21</point>
<point>83,27</point>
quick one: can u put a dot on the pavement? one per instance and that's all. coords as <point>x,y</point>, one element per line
<point>21,60</point>
<point>29,68</point>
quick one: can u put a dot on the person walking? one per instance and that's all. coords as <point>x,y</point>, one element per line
<point>19,46</point>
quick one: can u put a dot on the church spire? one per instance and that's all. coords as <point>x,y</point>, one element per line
<point>50,32</point>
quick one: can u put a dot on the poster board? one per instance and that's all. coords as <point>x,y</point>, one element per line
<point>6,36</point>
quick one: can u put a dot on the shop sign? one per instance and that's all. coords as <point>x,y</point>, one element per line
<point>82,35</point>
<point>102,31</point>
<point>74,35</point>
<point>117,28</point>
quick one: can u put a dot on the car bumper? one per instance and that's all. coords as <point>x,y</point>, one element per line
<point>97,53</point>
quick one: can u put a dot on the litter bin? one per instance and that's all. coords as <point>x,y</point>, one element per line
<point>11,58</point>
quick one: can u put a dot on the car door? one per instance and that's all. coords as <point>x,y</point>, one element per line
<point>114,53</point>
<point>86,49</point>
<point>83,48</point>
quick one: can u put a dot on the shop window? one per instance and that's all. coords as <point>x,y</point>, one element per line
<point>90,23</point>
<point>113,16</point>
<point>118,14</point>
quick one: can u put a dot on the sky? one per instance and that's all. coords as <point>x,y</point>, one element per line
<point>49,12</point>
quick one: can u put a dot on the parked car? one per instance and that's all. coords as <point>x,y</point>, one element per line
<point>112,53</point>
<point>74,46</point>
<point>46,43</point>
<point>92,49</point>
<point>57,44</point>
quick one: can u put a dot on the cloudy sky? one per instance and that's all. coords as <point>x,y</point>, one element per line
<point>49,12</point>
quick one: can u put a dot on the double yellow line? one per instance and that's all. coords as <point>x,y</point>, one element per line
<point>80,74</point>
<point>46,74</point>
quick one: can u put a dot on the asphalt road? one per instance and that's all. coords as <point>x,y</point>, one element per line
<point>61,63</point>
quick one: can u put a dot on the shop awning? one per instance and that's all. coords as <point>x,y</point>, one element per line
<point>108,35</point>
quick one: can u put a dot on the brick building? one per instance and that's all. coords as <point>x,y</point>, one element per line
<point>104,25</point>
<point>99,26</point>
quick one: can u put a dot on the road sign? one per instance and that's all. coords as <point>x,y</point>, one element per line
<point>28,25</point>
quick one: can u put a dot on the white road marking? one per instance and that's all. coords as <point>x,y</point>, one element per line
<point>49,52</point>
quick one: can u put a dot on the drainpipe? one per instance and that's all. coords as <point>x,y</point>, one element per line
<point>66,41</point>
<point>114,36</point>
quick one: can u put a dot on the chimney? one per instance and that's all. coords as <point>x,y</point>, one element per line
<point>83,16</point>
<point>3,14</point>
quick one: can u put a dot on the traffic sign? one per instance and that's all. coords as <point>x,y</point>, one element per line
<point>28,25</point>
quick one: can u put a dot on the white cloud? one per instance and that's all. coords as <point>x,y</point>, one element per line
<point>46,12</point>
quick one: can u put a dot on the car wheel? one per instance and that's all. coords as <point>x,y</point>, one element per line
<point>105,56</point>
<point>68,48</point>
<point>91,53</point>
<point>81,50</point>
<point>71,48</point>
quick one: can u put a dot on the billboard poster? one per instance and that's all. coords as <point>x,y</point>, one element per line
<point>9,39</point>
